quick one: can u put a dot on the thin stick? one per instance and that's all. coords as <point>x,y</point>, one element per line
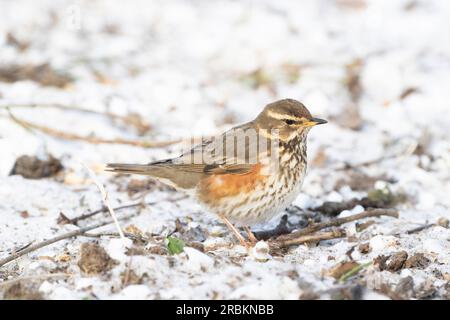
<point>421,228</point>
<point>333,234</point>
<point>95,140</point>
<point>104,209</point>
<point>337,222</point>
<point>64,236</point>
<point>105,198</point>
<point>115,234</point>
<point>137,123</point>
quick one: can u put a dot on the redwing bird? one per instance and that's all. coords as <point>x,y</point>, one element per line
<point>246,175</point>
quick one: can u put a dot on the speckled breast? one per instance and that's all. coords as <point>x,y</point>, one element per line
<point>255,196</point>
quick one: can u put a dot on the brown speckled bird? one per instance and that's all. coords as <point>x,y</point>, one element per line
<point>246,175</point>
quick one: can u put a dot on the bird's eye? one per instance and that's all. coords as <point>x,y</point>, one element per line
<point>289,122</point>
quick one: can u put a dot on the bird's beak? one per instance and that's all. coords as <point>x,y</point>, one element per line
<point>314,122</point>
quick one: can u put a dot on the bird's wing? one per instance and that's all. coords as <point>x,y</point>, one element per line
<point>229,153</point>
<point>211,157</point>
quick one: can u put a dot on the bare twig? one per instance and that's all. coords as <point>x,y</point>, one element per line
<point>105,199</point>
<point>283,227</point>
<point>134,121</point>
<point>64,236</point>
<point>333,234</point>
<point>420,228</point>
<point>105,209</point>
<point>91,139</point>
<point>131,236</point>
<point>337,222</point>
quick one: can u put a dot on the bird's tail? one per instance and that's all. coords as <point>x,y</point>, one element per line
<point>128,168</point>
<point>151,169</point>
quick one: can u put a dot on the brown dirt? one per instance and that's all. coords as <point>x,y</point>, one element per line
<point>22,291</point>
<point>418,261</point>
<point>43,74</point>
<point>400,260</point>
<point>94,259</point>
<point>393,263</point>
<point>364,248</point>
<point>31,167</point>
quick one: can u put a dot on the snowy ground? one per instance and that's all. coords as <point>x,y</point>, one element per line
<point>377,70</point>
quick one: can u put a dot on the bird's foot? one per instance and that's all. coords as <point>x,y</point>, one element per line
<point>251,236</point>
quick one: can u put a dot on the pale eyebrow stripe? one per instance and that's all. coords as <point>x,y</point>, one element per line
<point>280,116</point>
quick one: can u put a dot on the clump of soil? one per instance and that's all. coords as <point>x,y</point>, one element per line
<point>400,260</point>
<point>22,291</point>
<point>393,262</point>
<point>418,261</point>
<point>43,74</point>
<point>94,259</point>
<point>32,167</point>
<point>364,248</point>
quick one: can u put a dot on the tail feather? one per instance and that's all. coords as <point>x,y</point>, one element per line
<point>147,169</point>
<point>163,170</point>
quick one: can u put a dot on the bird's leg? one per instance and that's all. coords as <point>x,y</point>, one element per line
<point>250,235</point>
<point>235,231</point>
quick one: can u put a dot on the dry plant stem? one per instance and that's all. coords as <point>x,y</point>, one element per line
<point>59,106</point>
<point>105,198</point>
<point>116,235</point>
<point>421,228</point>
<point>328,235</point>
<point>64,236</point>
<point>94,140</point>
<point>337,222</point>
<point>104,209</point>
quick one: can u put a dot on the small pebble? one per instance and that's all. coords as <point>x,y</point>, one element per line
<point>260,252</point>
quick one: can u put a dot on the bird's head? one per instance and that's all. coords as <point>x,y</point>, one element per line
<point>289,117</point>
